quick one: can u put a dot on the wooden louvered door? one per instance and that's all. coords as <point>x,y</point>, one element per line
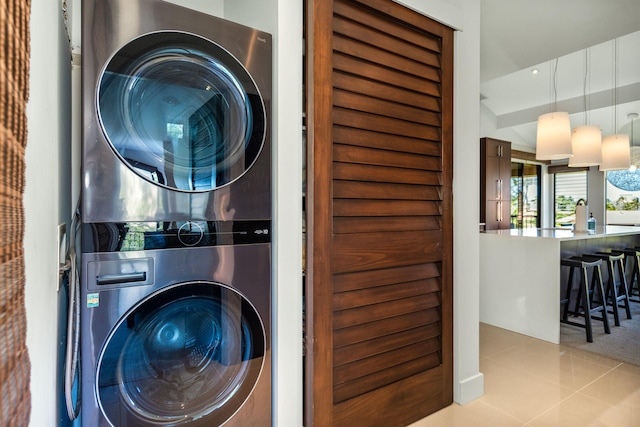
<point>379,268</point>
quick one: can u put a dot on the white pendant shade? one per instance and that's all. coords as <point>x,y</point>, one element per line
<point>587,146</point>
<point>553,139</point>
<point>616,154</point>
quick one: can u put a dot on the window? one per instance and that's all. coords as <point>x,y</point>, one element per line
<point>525,195</point>
<point>623,197</point>
<point>569,187</point>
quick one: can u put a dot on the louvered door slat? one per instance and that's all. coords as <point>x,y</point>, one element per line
<point>396,29</point>
<point>362,315</point>
<point>349,64</point>
<point>368,104</point>
<point>376,190</point>
<point>383,41</point>
<point>355,172</point>
<point>372,208</point>
<point>392,325</point>
<point>383,377</point>
<point>351,225</point>
<point>363,367</point>
<point>356,119</point>
<point>362,50</point>
<point>370,156</point>
<point>379,294</point>
<point>382,90</point>
<point>364,350</point>
<point>365,138</point>
<point>372,278</point>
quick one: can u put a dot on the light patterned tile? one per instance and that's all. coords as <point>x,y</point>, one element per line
<point>552,363</point>
<point>476,414</point>
<point>580,410</point>
<point>620,387</point>
<point>519,394</point>
<point>494,340</point>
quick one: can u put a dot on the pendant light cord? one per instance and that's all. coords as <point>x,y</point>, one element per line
<point>615,87</point>
<point>584,87</point>
<point>555,86</point>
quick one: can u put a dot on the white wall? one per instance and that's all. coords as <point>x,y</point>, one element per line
<point>489,128</point>
<point>47,197</point>
<point>468,381</point>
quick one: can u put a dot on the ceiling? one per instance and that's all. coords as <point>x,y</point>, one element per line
<point>582,49</point>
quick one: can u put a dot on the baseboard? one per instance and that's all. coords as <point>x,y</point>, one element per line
<point>469,389</point>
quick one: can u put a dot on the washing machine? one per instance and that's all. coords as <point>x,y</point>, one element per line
<point>175,265</point>
<point>176,336</point>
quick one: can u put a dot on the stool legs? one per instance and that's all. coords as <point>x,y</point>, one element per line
<point>619,288</point>
<point>633,256</point>
<point>634,286</point>
<point>585,299</point>
<point>616,289</point>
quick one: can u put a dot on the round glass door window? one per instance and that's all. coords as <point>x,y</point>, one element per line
<point>190,352</point>
<point>181,111</point>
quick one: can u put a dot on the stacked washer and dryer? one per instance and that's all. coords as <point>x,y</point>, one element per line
<point>176,218</point>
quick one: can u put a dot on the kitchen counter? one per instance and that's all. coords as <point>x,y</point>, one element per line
<point>565,233</point>
<point>521,278</point>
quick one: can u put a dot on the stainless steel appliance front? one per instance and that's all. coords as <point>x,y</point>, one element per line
<point>177,337</point>
<point>176,115</point>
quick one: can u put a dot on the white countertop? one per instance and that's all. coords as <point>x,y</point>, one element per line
<point>567,233</point>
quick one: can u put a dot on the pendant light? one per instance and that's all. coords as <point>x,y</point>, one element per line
<point>616,152</point>
<point>553,137</point>
<point>586,140</point>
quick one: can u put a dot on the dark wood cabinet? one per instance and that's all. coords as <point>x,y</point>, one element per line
<point>495,183</point>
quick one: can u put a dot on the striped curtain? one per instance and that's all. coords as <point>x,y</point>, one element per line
<point>15,398</point>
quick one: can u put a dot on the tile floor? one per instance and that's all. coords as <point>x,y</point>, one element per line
<point>529,382</point>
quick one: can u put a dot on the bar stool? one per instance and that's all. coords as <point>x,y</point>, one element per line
<point>585,293</point>
<point>632,263</point>
<point>616,292</point>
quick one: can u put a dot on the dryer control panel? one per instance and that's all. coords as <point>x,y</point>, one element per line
<point>138,236</point>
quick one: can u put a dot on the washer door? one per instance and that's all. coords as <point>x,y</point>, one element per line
<point>190,352</point>
<point>181,111</point>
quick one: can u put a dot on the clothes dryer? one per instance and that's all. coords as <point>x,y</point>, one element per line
<point>176,115</point>
<point>176,335</point>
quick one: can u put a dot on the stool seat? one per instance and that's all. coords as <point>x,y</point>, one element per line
<point>581,262</point>
<point>585,304</point>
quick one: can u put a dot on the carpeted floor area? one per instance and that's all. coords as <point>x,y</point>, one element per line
<point>622,344</point>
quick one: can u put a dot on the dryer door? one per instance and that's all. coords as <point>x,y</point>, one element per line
<point>190,352</point>
<point>181,111</point>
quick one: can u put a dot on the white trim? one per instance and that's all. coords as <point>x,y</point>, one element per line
<point>470,389</point>
<point>442,11</point>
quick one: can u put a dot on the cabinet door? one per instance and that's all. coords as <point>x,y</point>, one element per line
<point>498,215</point>
<point>495,184</point>
<point>504,177</point>
<point>492,178</point>
<point>491,215</point>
